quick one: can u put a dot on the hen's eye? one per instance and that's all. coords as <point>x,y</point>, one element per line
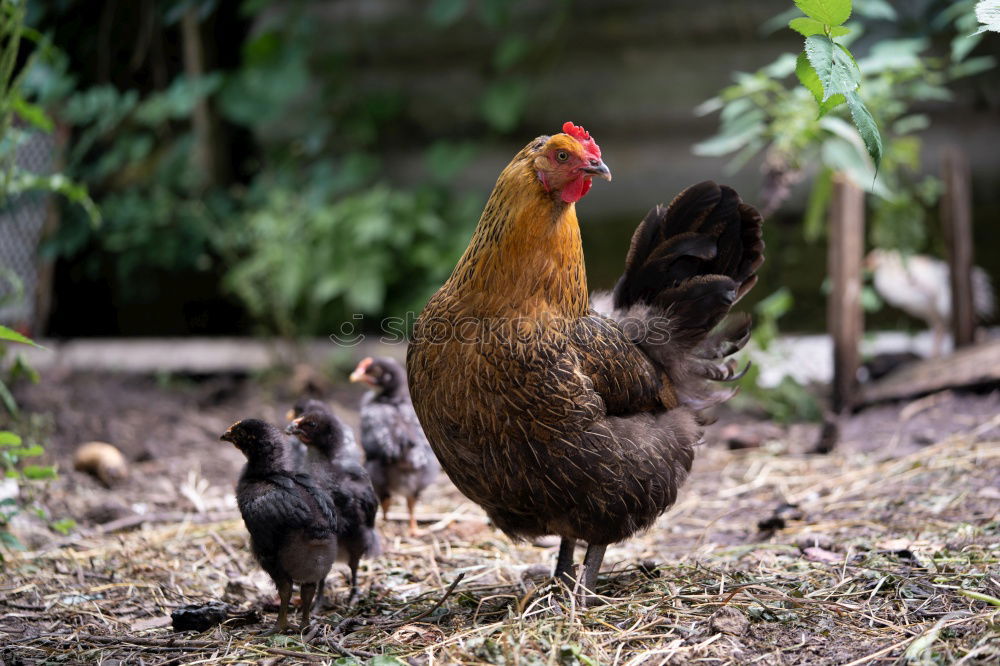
<point>562,156</point>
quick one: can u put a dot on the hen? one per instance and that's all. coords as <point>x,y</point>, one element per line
<point>919,285</point>
<point>292,522</point>
<point>397,455</point>
<point>553,417</point>
<point>347,482</point>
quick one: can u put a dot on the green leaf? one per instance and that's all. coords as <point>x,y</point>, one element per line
<point>503,103</point>
<point>819,196</point>
<point>830,12</point>
<point>8,438</point>
<point>10,541</point>
<point>808,27</point>
<point>39,472</point>
<point>988,13</point>
<point>7,398</point>
<point>31,113</point>
<point>13,336</point>
<point>810,79</point>
<point>28,451</point>
<point>443,13</point>
<point>867,128</point>
<point>834,66</point>
<point>64,526</point>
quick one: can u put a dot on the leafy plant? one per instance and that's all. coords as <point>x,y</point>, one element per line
<point>788,401</point>
<point>828,70</point>
<point>14,181</point>
<point>13,104</point>
<point>303,267</point>
<point>763,113</point>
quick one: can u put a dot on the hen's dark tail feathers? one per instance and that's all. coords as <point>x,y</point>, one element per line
<point>688,264</point>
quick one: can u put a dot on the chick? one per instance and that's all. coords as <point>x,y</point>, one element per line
<point>292,522</point>
<point>347,482</point>
<point>347,447</point>
<point>398,457</point>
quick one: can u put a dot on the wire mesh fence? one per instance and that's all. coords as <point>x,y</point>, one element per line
<point>22,221</point>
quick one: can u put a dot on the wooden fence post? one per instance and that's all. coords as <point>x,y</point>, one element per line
<point>844,315</point>
<point>956,217</point>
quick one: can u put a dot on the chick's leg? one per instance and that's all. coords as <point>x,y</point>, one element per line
<point>285,598</point>
<point>353,564</point>
<point>386,501</point>
<point>320,600</point>
<point>564,562</point>
<point>307,592</point>
<point>411,507</point>
<point>591,567</point>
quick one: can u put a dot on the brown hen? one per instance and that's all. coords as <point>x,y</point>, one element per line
<point>554,417</point>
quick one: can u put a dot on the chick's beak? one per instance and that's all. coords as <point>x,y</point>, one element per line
<point>295,429</point>
<point>597,169</point>
<point>290,414</point>
<point>360,373</point>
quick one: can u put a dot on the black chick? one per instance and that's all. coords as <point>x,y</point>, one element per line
<point>398,457</point>
<point>347,482</point>
<point>347,446</point>
<point>292,522</point>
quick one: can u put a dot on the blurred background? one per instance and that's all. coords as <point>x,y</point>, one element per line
<point>272,168</point>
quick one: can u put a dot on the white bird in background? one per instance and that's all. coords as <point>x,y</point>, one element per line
<point>919,285</point>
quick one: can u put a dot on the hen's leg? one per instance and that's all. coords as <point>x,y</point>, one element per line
<point>591,566</point>
<point>564,562</point>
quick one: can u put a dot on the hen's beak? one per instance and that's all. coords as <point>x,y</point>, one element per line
<point>597,169</point>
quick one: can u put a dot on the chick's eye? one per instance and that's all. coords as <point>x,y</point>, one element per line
<point>562,156</point>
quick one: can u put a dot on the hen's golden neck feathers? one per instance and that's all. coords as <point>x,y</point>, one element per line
<point>525,257</point>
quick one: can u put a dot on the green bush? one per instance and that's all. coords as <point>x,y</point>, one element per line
<point>302,267</point>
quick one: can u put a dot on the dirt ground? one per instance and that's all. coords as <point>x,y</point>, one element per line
<point>885,551</point>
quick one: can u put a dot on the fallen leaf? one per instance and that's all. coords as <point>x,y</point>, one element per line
<point>728,620</point>
<point>151,623</point>
<point>817,554</point>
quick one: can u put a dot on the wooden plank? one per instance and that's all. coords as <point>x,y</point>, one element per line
<point>845,321</point>
<point>976,365</point>
<point>956,217</point>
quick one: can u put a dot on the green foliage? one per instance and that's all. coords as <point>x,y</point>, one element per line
<point>829,71</point>
<point>15,180</point>
<point>789,401</point>
<point>13,454</point>
<point>315,130</point>
<point>764,112</point>
<point>305,267</point>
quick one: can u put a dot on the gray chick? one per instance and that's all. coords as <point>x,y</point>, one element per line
<point>347,483</point>
<point>398,457</point>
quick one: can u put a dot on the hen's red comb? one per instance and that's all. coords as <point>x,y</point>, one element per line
<point>583,136</point>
